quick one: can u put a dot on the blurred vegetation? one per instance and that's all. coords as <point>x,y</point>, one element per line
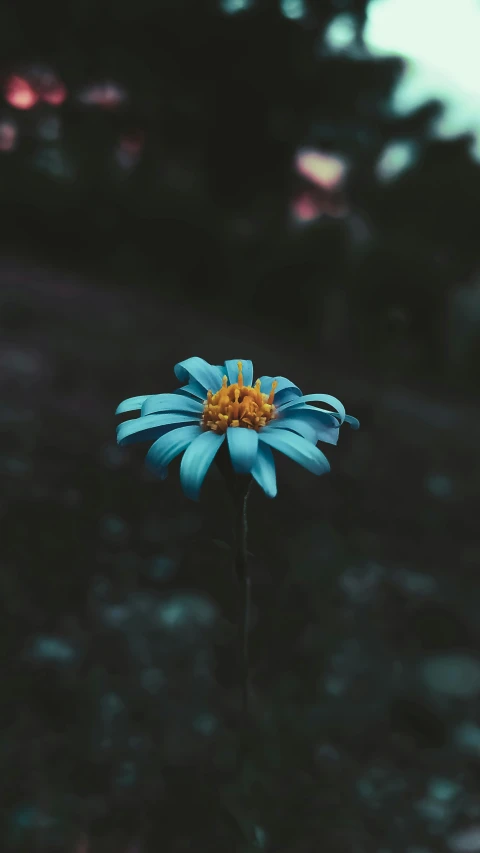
<point>179,174</point>
<point>168,172</point>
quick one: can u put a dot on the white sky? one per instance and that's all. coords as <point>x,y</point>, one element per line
<point>441,40</point>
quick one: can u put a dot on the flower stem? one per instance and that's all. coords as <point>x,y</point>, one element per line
<point>241,569</point>
<point>238,486</point>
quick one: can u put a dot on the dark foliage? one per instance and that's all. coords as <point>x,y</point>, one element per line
<point>120,692</point>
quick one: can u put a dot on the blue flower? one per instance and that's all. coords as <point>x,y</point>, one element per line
<point>220,403</point>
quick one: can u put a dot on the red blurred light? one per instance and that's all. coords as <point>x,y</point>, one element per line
<point>56,95</point>
<point>310,205</point>
<point>19,93</point>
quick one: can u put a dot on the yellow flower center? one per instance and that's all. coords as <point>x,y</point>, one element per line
<point>238,405</point>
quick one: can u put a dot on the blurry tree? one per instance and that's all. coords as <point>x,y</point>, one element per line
<point>170,159</point>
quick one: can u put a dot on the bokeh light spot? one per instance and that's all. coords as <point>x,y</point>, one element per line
<point>19,93</point>
<point>8,135</point>
<point>293,9</point>
<point>233,6</point>
<point>107,94</point>
<point>395,159</point>
<point>305,207</point>
<point>56,95</point>
<point>341,32</point>
<point>323,170</point>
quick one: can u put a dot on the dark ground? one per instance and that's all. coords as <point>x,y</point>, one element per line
<point>119,701</point>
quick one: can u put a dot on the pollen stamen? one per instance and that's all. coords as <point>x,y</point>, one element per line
<point>272,392</point>
<point>238,405</point>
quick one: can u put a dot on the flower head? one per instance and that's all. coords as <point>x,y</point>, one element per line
<point>238,405</point>
<point>221,404</point>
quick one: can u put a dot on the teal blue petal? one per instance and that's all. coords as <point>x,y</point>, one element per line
<point>193,389</point>
<point>150,427</point>
<point>263,471</point>
<point>171,403</point>
<point>231,369</point>
<point>284,391</point>
<point>354,422</point>
<point>301,427</point>
<point>320,398</point>
<point>168,446</point>
<point>196,461</point>
<point>131,404</point>
<point>297,448</point>
<point>305,418</point>
<point>242,446</point>
<point>207,375</point>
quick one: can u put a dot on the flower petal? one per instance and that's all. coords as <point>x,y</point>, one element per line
<point>193,389</point>
<point>297,448</point>
<point>284,391</point>
<point>297,425</point>
<point>168,446</point>
<point>263,471</point>
<point>231,369</point>
<point>321,398</point>
<point>171,403</point>
<point>196,461</point>
<point>304,418</point>
<point>243,446</point>
<point>131,404</point>
<point>354,422</point>
<point>150,427</point>
<point>207,375</point>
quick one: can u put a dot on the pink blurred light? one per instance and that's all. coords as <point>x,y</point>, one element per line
<point>305,208</point>
<point>55,96</point>
<point>8,135</point>
<point>324,170</point>
<point>19,93</point>
<point>107,95</point>
<point>309,205</point>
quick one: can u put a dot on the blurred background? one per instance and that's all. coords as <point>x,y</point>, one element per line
<point>297,182</point>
